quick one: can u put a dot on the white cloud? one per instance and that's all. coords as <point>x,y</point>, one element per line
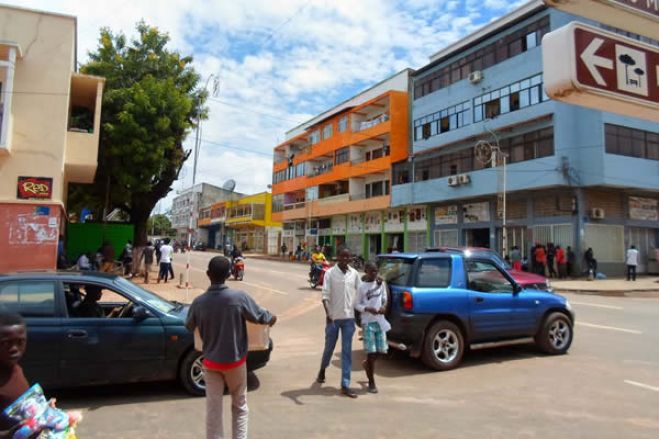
<point>280,62</point>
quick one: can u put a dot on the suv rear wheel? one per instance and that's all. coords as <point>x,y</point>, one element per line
<point>555,336</point>
<point>443,346</point>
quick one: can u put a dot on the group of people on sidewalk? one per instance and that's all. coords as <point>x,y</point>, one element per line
<point>220,315</point>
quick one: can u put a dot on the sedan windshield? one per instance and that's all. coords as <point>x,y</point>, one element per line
<point>395,271</point>
<point>147,296</point>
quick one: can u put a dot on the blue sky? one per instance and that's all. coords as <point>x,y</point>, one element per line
<point>280,63</point>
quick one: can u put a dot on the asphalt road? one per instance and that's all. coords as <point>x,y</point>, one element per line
<point>606,387</point>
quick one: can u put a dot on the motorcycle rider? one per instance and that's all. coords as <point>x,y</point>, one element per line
<point>236,255</point>
<point>317,259</point>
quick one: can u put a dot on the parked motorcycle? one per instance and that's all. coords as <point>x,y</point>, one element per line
<point>317,274</point>
<point>238,268</point>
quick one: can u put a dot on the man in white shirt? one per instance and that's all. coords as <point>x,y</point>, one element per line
<point>339,290</point>
<point>632,262</point>
<point>166,251</point>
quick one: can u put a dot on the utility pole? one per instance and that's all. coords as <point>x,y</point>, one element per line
<point>194,199</point>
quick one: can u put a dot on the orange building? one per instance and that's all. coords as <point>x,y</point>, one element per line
<point>332,176</point>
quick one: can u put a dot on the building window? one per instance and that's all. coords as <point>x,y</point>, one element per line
<point>377,189</point>
<point>631,142</point>
<point>343,124</point>
<point>342,155</point>
<point>327,131</point>
<point>533,145</point>
<point>450,118</point>
<point>299,170</point>
<point>510,98</point>
<point>314,137</point>
<point>498,51</point>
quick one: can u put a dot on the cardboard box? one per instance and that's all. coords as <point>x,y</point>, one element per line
<point>258,337</point>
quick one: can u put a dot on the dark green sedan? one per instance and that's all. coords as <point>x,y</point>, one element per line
<point>132,335</point>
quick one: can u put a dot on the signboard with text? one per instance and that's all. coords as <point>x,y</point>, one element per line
<point>587,66</point>
<point>34,188</point>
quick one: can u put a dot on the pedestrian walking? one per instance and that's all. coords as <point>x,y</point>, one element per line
<point>339,290</point>
<point>561,262</point>
<point>551,256</point>
<point>371,302</point>
<point>147,257</point>
<point>571,261</point>
<point>220,316</point>
<point>166,252</point>
<point>158,245</point>
<point>284,249</point>
<point>591,263</point>
<point>632,262</point>
<point>127,258</point>
<point>108,257</point>
<point>516,258</point>
<point>541,260</point>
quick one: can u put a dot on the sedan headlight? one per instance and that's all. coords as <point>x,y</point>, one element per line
<point>568,306</point>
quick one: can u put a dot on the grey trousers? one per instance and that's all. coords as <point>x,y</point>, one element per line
<point>236,381</point>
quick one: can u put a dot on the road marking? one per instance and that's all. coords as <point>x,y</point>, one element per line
<point>610,328</point>
<point>283,293</point>
<point>596,305</point>
<point>643,386</point>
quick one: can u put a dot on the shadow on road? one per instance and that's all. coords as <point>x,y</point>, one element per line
<point>317,389</point>
<point>397,363</point>
<point>96,397</point>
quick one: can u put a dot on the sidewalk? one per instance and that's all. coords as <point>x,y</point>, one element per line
<point>169,290</point>
<point>644,286</point>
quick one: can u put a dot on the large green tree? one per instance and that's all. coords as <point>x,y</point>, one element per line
<point>151,102</point>
<point>159,224</point>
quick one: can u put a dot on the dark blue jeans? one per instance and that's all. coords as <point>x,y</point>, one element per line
<point>347,327</point>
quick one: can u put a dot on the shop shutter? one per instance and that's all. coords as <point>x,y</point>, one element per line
<point>606,241</point>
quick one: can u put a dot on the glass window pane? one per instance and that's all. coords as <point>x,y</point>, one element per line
<point>535,95</point>
<point>434,273</point>
<point>524,98</point>
<point>531,40</point>
<point>505,104</point>
<point>525,83</point>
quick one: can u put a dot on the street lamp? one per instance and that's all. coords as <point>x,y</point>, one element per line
<point>488,153</point>
<point>194,200</point>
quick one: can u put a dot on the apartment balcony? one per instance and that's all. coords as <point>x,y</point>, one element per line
<point>81,156</point>
<point>343,204</point>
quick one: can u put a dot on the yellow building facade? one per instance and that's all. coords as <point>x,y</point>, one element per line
<point>49,132</point>
<point>245,222</point>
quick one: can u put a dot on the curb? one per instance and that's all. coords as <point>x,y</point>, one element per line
<point>613,293</point>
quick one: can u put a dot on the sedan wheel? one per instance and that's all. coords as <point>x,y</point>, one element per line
<point>191,374</point>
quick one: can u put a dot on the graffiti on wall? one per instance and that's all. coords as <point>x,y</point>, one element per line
<point>30,229</point>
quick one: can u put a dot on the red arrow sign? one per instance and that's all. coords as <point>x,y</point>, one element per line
<point>587,66</point>
<point>617,65</point>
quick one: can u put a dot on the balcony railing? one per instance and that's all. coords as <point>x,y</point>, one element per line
<point>292,206</point>
<point>372,122</point>
<point>334,199</point>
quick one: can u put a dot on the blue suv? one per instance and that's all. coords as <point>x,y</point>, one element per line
<point>442,303</point>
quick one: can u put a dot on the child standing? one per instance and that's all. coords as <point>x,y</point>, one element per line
<point>371,302</point>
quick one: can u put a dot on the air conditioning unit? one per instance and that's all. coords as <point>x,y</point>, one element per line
<point>475,77</point>
<point>453,180</point>
<point>464,179</point>
<point>597,213</point>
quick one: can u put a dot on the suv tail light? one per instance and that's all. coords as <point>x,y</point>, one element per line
<point>406,299</point>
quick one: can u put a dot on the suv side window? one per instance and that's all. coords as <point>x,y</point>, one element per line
<point>30,299</point>
<point>484,276</point>
<point>435,273</point>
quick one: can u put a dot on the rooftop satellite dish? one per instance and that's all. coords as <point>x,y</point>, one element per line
<point>229,185</point>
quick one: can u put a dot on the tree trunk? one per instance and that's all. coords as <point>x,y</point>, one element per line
<point>139,217</point>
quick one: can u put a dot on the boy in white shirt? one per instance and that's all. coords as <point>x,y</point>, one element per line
<point>371,302</point>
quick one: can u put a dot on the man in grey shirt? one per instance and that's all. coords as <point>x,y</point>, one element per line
<point>220,315</point>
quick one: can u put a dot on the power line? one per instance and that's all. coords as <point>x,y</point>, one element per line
<point>288,20</point>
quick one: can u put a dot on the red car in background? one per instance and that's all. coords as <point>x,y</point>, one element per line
<point>523,278</point>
